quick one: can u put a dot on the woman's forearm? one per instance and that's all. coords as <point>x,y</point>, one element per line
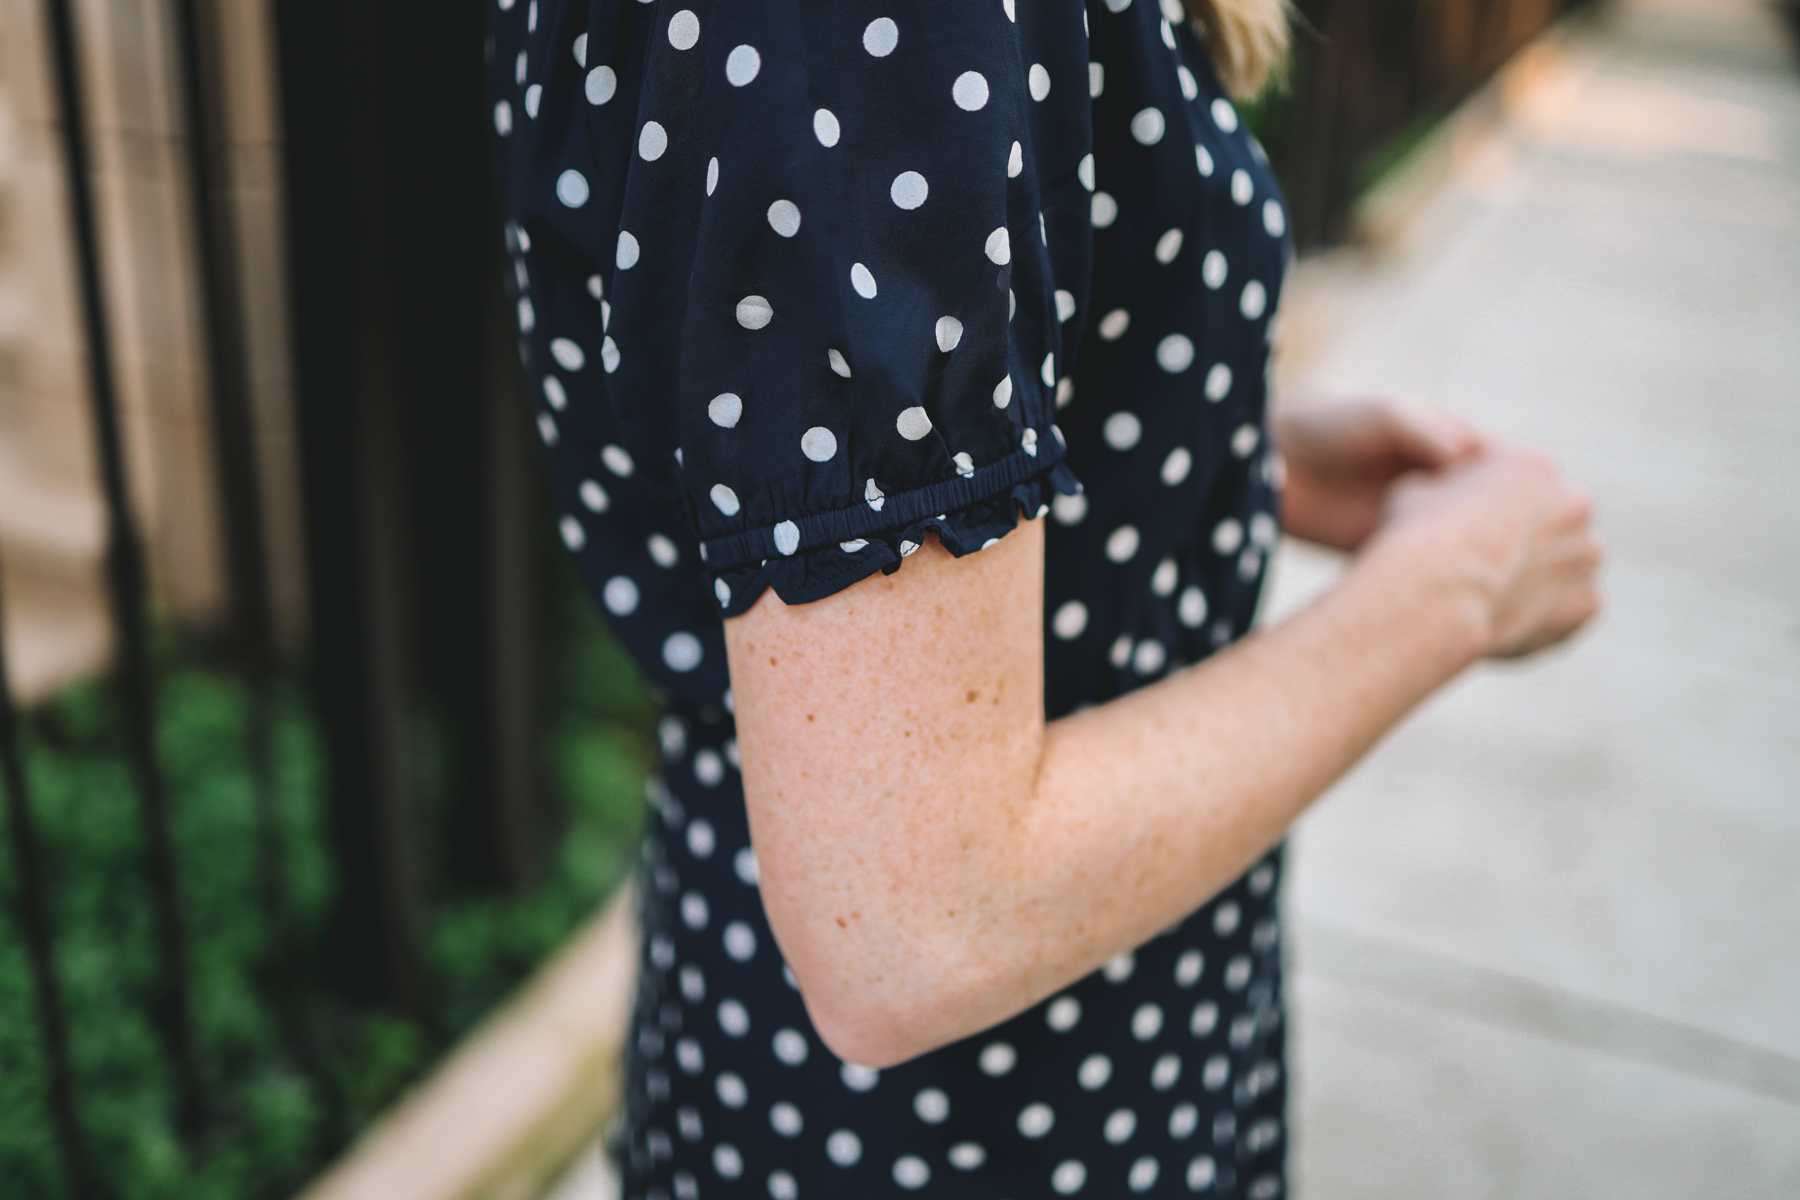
<point>1115,822</point>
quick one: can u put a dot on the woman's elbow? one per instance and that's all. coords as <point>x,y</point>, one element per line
<point>880,1018</point>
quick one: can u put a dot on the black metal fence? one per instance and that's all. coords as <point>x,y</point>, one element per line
<point>424,511</point>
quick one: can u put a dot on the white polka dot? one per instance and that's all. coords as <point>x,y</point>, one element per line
<point>1105,210</point>
<point>743,863</point>
<point>1065,392</point>
<point>1068,1177</point>
<point>826,128</point>
<point>785,1119</point>
<point>1149,657</point>
<point>1244,439</point>
<point>1120,654</point>
<point>712,175</point>
<point>1114,324</point>
<point>965,466</point>
<point>1038,80</point>
<point>681,651</point>
<point>662,551</point>
<point>790,1046</point>
<point>967,1156</point>
<point>1164,578</point>
<point>1253,301</point>
<point>754,312</point>
<point>727,1161</point>
<point>784,218</point>
<point>572,188</point>
<point>1003,392</point>
<point>999,247</point>
<point>594,496</point>
<point>1063,1014</point>
<point>1201,1174</point>
<point>741,65</point>
<point>1175,353</point>
<point>602,83</point>
<point>724,499</point>
<point>1168,34</point>
<point>970,91</point>
<point>910,1172</point>
<point>818,444</point>
<point>609,355</point>
<point>730,1088</point>
<point>653,139</point>
<point>1175,468</point>
<point>1223,115</point>
<point>1015,161</point>
<point>1096,80</point>
<point>694,911</point>
<point>932,1106</point>
<point>502,118</point>
<point>782,1186</point>
<point>1035,1120</point>
<point>913,424</point>
<point>573,536</point>
<point>1028,443</point>
<point>1070,620</point>
<point>1142,1176</point>
<point>1203,159</point>
<point>997,1058</point>
<point>1227,536</point>
<point>853,546</point>
<point>734,1018</point>
<point>554,395</point>
<point>1237,973</point>
<point>787,537</point>
<point>881,37</point>
<point>844,1148</point>
<point>1204,1020</point>
<point>1168,246</point>
<point>1118,6</point>
<point>907,548</point>
<point>689,1057</point>
<point>1146,1022</point>
<point>1274,220</point>
<point>862,281</point>
<point>1218,382</point>
<point>684,30</point>
<point>1148,126</point>
<point>836,361</point>
<point>1242,189</point>
<point>617,460</point>
<point>740,941</point>
<point>627,255</point>
<point>1190,87</point>
<point>722,590</point>
<point>859,1078</point>
<point>909,190</point>
<point>620,595</point>
<point>1213,269</point>
<point>1094,1072</point>
<point>874,495</point>
<point>567,354</point>
<point>534,98</point>
<point>1122,543</point>
<point>1084,171</point>
<point>725,409</point>
<point>949,333</point>
<point>1122,430</point>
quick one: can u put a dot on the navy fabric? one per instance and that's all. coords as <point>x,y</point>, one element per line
<point>799,282</point>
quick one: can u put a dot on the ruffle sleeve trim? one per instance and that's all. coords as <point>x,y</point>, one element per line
<point>809,558</point>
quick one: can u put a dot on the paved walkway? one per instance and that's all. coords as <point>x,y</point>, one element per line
<point>1547,939</point>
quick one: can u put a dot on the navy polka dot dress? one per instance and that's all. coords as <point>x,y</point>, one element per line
<point>798,282</point>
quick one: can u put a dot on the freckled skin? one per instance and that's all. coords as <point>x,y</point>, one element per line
<point>997,856</point>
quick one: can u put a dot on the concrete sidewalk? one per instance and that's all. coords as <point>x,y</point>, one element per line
<point>1547,939</point>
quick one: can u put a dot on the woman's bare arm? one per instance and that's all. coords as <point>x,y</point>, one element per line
<point>936,857</point>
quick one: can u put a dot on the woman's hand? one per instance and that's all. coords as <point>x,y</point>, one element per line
<point>1343,453</point>
<point>1506,530</point>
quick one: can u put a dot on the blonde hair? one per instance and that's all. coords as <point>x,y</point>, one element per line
<point>1248,39</point>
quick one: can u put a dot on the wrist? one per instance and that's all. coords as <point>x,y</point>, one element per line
<point>1433,590</point>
